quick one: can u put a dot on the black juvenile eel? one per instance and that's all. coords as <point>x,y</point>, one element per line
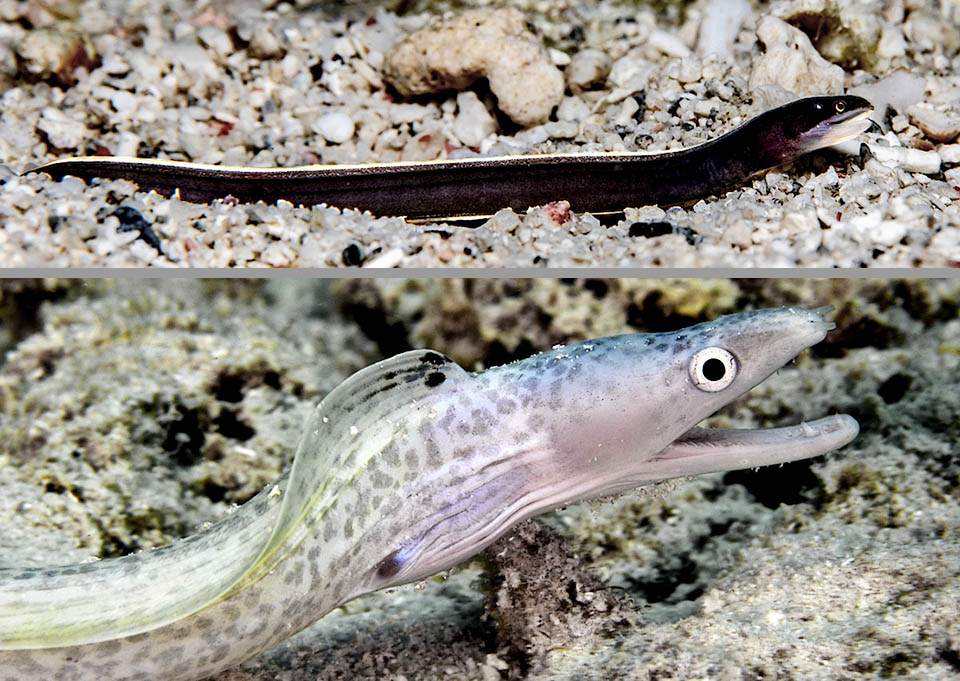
<point>475,187</point>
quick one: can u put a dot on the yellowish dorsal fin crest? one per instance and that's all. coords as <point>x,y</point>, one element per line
<point>359,417</point>
<point>75,605</point>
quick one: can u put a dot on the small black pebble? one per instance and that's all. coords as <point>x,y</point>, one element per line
<point>650,229</point>
<point>688,234</point>
<point>641,100</point>
<point>352,256</point>
<point>131,220</point>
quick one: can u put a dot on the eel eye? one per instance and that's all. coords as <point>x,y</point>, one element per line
<point>713,369</point>
<point>840,106</point>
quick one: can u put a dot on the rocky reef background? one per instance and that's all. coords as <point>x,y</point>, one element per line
<point>134,411</point>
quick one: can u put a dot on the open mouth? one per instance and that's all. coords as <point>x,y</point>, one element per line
<point>839,128</point>
<point>705,450</point>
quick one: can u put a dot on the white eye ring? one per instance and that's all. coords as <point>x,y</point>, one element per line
<point>713,369</point>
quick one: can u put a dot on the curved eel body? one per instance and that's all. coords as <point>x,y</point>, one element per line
<point>407,468</point>
<point>478,187</point>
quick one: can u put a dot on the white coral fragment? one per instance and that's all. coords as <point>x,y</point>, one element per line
<point>491,43</point>
<point>791,61</point>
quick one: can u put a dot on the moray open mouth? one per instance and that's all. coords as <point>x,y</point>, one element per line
<point>701,450</point>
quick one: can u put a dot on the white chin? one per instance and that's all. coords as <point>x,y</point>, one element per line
<point>841,132</point>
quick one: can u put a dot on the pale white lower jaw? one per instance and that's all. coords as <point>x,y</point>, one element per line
<point>701,450</point>
<point>837,133</point>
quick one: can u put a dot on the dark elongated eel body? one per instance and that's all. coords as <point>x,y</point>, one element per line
<point>475,187</point>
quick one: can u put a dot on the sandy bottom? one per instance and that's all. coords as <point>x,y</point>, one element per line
<point>250,83</point>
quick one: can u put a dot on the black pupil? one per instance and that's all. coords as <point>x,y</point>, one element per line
<point>841,106</point>
<point>713,370</point>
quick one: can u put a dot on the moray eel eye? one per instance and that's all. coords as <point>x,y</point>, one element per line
<point>840,106</point>
<point>713,369</point>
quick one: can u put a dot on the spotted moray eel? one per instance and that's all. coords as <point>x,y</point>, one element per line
<point>407,468</point>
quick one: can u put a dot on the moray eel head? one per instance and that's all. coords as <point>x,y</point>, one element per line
<point>825,121</point>
<point>593,419</point>
<point>804,125</point>
<point>636,420</point>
